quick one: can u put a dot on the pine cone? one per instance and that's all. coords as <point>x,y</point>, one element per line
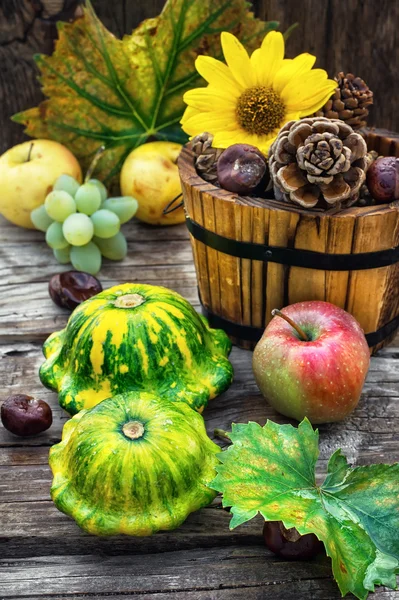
<point>349,101</point>
<point>206,156</point>
<point>365,198</point>
<point>318,161</point>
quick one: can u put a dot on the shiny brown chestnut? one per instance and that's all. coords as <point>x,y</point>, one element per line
<point>383,179</point>
<point>71,288</point>
<point>289,543</point>
<point>242,169</point>
<point>24,415</point>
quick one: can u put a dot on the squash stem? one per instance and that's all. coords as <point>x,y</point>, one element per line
<point>133,430</point>
<point>129,301</point>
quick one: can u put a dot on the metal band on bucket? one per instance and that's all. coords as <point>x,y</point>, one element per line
<point>293,257</point>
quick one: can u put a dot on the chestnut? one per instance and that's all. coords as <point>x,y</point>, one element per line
<point>289,543</point>
<point>71,288</point>
<point>242,169</point>
<point>23,415</point>
<point>383,179</point>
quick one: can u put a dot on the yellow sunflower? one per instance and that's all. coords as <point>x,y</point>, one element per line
<point>249,99</point>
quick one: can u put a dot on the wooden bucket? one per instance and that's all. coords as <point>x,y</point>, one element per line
<point>295,256</point>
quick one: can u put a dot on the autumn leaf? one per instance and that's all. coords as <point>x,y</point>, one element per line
<point>271,470</point>
<point>102,90</point>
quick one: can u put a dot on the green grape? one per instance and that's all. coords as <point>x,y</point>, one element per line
<point>59,205</point>
<point>78,229</point>
<point>101,188</point>
<point>124,206</point>
<point>106,223</point>
<point>86,258</point>
<point>114,248</point>
<point>63,254</point>
<point>66,183</point>
<point>54,236</point>
<point>40,218</point>
<point>88,198</point>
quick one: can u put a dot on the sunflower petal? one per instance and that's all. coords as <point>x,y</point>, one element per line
<point>218,74</point>
<point>265,143</point>
<point>224,139</point>
<point>189,112</point>
<point>307,81</point>
<point>310,90</point>
<point>291,69</point>
<point>319,101</point>
<point>312,101</point>
<point>291,116</point>
<point>237,59</point>
<point>213,122</point>
<point>209,98</point>
<point>269,59</point>
<point>256,62</point>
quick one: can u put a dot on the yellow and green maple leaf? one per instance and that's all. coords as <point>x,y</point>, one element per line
<point>119,93</point>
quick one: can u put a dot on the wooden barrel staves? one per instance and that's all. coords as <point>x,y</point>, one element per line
<point>252,255</point>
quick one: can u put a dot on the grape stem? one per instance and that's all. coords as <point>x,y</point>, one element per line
<point>30,152</point>
<point>300,332</point>
<point>94,162</point>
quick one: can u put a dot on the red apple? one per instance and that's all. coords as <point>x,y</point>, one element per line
<point>313,366</point>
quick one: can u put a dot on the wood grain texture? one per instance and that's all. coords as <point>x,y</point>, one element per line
<point>205,570</point>
<point>350,36</point>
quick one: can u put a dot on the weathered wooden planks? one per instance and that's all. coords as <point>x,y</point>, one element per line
<point>215,573</point>
<point>201,569</point>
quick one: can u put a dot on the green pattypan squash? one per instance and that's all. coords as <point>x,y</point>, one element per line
<point>133,464</point>
<point>141,337</point>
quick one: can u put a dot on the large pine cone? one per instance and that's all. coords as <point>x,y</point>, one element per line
<point>318,161</point>
<point>206,156</point>
<point>349,101</point>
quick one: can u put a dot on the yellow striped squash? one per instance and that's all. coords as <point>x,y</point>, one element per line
<point>136,337</point>
<point>134,464</point>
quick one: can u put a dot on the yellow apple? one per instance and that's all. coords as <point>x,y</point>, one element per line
<point>24,184</point>
<point>150,175</point>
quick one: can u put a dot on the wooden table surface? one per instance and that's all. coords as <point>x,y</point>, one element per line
<point>43,553</point>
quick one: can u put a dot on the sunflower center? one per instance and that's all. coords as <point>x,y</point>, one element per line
<point>260,110</point>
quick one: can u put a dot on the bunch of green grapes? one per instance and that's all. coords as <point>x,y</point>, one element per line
<point>81,223</point>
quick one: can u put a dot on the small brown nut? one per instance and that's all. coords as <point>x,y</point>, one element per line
<point>71,288</point>
<point>289,543</point>
<point>23,415</point>
<point>242,169</point>
<point>383,179</point>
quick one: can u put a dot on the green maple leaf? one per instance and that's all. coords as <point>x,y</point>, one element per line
<point>355,512</point>
<point>118,93</point>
